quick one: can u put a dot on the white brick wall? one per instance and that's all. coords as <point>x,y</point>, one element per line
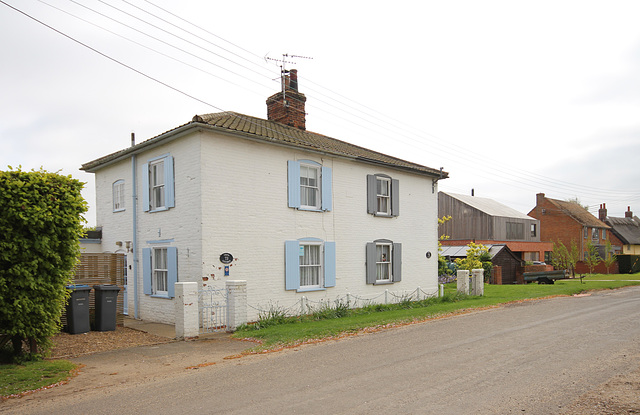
<point>231,196</point>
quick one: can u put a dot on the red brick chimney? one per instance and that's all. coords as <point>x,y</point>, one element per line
<point>602,213</point>
<point>287,106</point>
<point>628,213</point>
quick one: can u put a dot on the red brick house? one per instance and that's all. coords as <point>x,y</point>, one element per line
<point>625,232</point>
<point>568,221</point>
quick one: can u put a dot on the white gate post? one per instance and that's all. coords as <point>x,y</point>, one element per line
<point>236,303</point>
<point>463,281</point>
<point>477,287</point>
<point>186,303</point>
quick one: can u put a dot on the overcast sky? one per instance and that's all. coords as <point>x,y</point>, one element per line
<point>512,98</point>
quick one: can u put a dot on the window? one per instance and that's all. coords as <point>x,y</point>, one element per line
<point>159,271</point>
<point>310,264</point>
<point>586,232</point>
<point>118,196</point>
<point>158,184</point>
<point>382,195</point>
<point>515,230</point>
<point>383,262</point>
<point>309,185</point>
<point>604,234</point>
<point>534,230</point>
<point>595,234</point>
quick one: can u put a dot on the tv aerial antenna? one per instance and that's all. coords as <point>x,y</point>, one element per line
<point>286,59</point>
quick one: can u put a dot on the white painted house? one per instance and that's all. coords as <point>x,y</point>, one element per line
<point>301,214</point>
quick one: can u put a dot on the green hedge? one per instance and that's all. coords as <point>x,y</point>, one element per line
<point>40,226</point>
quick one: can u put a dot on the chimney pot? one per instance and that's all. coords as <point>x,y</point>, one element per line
<point>628,213</point>
<point>602,213</point>
<point>287,106</point>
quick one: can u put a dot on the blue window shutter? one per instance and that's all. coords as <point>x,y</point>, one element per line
<point>329,264</point>
<point>172,270</point>
<point>371,263</point>
<point>145,187</point>
<point>371,194</point>
<point>292,265</point>
<point>327,193</point>
<point>395,197</point>
<point>169,187</point>
<point>146,270</point>
<point>397,262</point>
<point>293,176</point>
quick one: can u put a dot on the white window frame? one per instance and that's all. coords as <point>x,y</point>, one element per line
<point>307,188</point>
<point>383,183</point>
<point>118,195</point>
<point>160,271</point>
<point>384,261</point>
<point>157,196</point>
<point>534,230</point>
<point>306,266</point>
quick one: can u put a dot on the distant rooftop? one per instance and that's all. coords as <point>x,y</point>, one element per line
<point>489,206</point>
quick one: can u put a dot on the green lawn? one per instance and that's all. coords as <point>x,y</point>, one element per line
<point>29,376</point>
<point>307,329</point>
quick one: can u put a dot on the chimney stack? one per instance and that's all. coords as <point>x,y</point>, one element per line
<point>539,199</point>
<point>602,213</point>
<point>287,106</point>
<point>628,213</point>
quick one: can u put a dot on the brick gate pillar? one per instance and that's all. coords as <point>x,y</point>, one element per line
<point>236,303</point>
<point>186,303</point>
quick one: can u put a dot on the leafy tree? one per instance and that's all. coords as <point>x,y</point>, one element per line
<point>564,258</point>
<point>475,254</point>
<point>443,264</point>
<point>610,258</point>
<point>591,257</point>
<point>40,223</point>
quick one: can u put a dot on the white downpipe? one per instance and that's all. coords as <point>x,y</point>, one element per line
<point>134,186</point>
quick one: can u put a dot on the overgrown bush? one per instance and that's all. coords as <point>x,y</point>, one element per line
<point>40,223</point>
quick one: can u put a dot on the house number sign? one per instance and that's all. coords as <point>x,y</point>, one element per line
<point>226,258</point>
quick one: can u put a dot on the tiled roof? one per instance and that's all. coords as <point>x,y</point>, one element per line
<point>274,132</point>
<point>580,214</point>
<point>627,229</point>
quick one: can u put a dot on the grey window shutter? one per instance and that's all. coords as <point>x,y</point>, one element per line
<point>397,262</point>
<point>146,270</point>
<point>145,187</point>
<point>292,265</point>
<point>172,274</point>
<point>293,176</point>
<point>395,197</point>
<point>371,194</point>
<point>371,263</point>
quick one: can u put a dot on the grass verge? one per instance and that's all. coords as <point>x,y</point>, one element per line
<point>284,331</point>
<point>20,379</point>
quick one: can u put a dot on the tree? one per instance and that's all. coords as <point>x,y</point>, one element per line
<point>476,255</point>
<point>564,258</point>
<point>610,257</point>
<point>443,265</point>
<point>591,257</point>
<point>40,223</point>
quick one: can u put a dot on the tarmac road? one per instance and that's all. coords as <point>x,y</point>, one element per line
<point>535,357</point>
